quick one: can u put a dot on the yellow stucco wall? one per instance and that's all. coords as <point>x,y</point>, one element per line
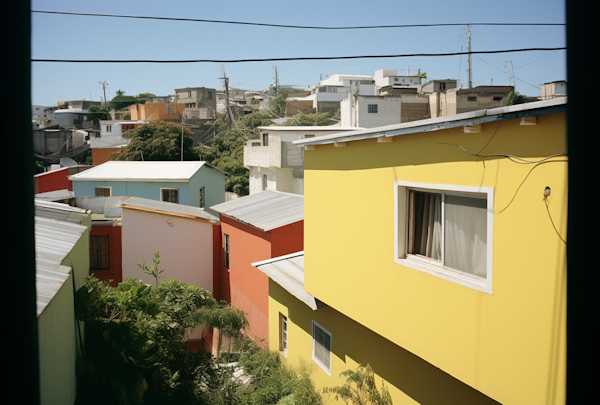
<point>510,344</point>
<point>409,379</point>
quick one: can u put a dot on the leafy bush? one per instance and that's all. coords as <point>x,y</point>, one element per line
<point>135,345</point>
<point>360,388</point>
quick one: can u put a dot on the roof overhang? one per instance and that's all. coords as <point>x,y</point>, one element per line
<point>453,121</point>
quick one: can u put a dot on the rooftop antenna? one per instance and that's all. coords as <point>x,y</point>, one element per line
<point>508,63</point>
<point>469,58</point>
<point>104,84</point>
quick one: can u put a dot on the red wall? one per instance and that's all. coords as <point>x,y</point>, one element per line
<point>52,181</point>
<point>116,267</point>
<point>243,285</point>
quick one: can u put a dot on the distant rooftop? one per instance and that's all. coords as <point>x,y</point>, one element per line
<point>162,207</point>
<point>147,171</point>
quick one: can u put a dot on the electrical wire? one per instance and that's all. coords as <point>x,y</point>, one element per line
<point>507,71</point>
<point>512,158</point>
<point>292,58</point>
<point>551,220</point>
<point>523,182</point>
<point>291,26</point>
<point>518,67</point>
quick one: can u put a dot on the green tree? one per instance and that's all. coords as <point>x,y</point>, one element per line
<point>135,347</point>
<point>302,119</point>
<point>157,141</point>
<point>360,388</point>
<point>98,113</point>
<point>121,101</point>
<point>277,104</point>
<point>515,98</point>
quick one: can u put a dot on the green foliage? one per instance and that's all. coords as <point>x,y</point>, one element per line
<point>302,119</point>
<point>136,347</point>
<point>515,98</point>
<point>277,104</point>
<point>97,114</point>
<point>157,141</point>
<point>143,96</point>
<point>260,118</point>
<point>360,388</point>
<point>267,381</point>
<point>120,102</point>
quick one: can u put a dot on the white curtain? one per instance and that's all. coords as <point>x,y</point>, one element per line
<point>465,234</point>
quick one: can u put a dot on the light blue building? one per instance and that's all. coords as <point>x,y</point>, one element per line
<point>197,184</point>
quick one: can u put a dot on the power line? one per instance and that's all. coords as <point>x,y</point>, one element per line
<point>293,58</point>
<point>293,26</point>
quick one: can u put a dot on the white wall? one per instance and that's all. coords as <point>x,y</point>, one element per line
<point>186,247</point>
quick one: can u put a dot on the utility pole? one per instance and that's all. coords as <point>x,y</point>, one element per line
<point>104,84</point>
<point>470,62</point>
<point>226,79</point>
<point>182,116</point>
<point>276,81</point>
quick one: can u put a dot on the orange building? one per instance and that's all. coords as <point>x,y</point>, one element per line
<point>254,228</point>
<point>156,111</point>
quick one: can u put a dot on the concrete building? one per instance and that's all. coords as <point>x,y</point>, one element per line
<point>438,85</point>
<point>275,163</point>
<point>462,271</point>
<point>326,95</point>
<point>553,90</point>
<point>197,184</point>
<point>156,111</point>
<point>109,139</point>
<point>74,113</point>
<point>257,227</point>
<point>387,81</point>
<point>376,111</point>
<point>457,101</point>
<point>197,97</point>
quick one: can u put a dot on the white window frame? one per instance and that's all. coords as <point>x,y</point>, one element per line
<point>315,359</point>
<point>170,188</point>
<point>401,226</point>
<point>283,326</point>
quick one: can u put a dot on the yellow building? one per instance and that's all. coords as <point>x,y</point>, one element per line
<point>435,251</point>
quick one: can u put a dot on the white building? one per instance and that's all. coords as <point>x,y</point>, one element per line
<point>553,90</point>
<point>328,93</point>
<point>275,163</point>
<point>377,111</point>
<point>111,131</point>
<point>387,81</point>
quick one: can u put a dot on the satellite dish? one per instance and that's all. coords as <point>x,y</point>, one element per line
<point>67,162</point>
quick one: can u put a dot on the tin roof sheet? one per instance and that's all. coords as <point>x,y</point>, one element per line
<point>58,211</point>
<point>146,204</point>
<point>266,210</point>
<point>288,272</point>
<point>54,240</point>
<point>146,171</point>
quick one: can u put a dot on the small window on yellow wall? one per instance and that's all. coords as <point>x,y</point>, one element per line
<point>283,333</point>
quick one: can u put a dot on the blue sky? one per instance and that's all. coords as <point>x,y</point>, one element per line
<point>78,37</point>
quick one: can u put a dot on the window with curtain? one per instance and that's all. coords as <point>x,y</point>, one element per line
<point>446,230</point>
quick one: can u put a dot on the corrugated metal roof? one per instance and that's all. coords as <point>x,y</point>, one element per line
<point>54,195</point>
<point>288,272</point>
<point>58,211</point>
<point>266,210</point>
<point>54,240</point>
<point>146,171</point>
<point>149,205</point>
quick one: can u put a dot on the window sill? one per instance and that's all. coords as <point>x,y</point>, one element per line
<point>325,369</point>
<point>432,267</point>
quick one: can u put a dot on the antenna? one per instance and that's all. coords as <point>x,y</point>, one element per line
<point>104,84</point>
<point>512,74</point>
<point>469,58</point>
